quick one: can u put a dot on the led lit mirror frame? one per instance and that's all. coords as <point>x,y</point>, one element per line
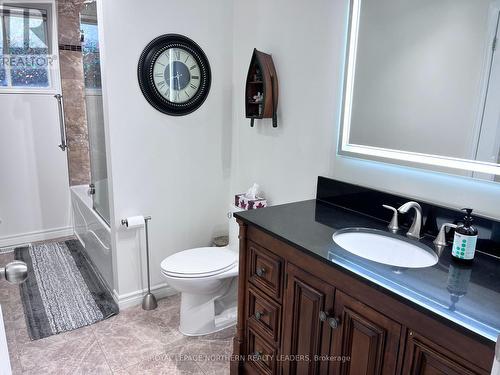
<point>407,158</point>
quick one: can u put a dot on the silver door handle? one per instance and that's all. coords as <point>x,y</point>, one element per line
<point>15,272</point>
<point>62,128</point>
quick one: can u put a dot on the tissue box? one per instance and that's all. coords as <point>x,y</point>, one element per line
<point>249,204</point>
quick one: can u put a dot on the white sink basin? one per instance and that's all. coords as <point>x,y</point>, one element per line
<point>382,247</point>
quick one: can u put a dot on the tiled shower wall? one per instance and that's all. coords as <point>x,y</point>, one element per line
<point>73,90</point>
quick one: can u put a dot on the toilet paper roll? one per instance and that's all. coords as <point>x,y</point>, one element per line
<point>135,221</point>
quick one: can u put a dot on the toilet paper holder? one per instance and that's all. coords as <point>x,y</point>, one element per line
<point>146,219</point>
<point>149,301</point>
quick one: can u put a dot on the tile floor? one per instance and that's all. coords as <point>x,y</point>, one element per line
<point>133,342</point>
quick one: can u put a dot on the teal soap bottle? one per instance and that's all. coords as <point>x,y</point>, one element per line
<point>465,239</point>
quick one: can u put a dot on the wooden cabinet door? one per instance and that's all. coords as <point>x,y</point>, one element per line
<point>423,357</point>
<point>305,336</point>
<point>368,338</point>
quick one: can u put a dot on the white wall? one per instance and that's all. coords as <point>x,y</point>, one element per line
<point>307,41</point>
<point>300,35</point>
<point>34,191</point>
<point>175,169</point>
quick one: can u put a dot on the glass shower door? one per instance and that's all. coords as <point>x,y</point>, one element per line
<point>94,108</point>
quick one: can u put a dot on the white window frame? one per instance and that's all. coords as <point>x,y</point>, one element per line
<point>54,74</point>
<point>407,158</point>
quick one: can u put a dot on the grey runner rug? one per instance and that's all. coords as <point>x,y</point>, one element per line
<point>62,291</point>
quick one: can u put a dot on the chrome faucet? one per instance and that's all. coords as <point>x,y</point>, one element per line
<point>393,225</point>
<point>414,231</point>
<point>440,241</point>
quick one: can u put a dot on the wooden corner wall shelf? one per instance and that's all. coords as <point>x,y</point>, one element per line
<point>261,92</point>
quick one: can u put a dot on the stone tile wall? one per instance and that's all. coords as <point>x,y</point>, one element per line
<point>73,91</point>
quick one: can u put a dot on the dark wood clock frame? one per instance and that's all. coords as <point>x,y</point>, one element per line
<point>145,74</point>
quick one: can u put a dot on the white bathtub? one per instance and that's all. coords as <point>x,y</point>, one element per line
<point>93,232</point>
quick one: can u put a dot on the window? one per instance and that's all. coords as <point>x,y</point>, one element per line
<point>25,47</point>
<point>90,49</point>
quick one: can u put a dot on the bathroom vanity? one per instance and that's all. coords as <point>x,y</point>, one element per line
<point>307,306</point>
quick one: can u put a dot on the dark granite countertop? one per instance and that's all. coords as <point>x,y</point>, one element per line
<point>467,296</point>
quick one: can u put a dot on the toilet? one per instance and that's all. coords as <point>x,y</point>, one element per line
<point>207,279</point>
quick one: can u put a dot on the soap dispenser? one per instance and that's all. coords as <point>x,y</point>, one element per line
<point>464,242</point>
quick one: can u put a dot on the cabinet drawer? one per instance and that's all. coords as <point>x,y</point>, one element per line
<point>261,356</point>
<point>265,270</point>
<point>264,315</point>
<point>425,357</point>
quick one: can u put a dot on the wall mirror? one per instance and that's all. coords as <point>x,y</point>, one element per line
<point>422,85</point>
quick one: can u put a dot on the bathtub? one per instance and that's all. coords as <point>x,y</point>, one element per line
<point>93,233</point>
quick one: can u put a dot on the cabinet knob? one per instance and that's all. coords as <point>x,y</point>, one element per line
<point>333,323</point>
<point>260,271</point>
<point>325,317</point>
<point>259,315</point>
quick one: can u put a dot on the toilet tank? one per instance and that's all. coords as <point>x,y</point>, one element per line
<point>234,229</point>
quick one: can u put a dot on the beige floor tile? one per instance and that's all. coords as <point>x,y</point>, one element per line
<point>4,292</point>
<point>133,342</point>
<point>13,311</point>
<point>15,366</point>
<point>6,258</point>
<point>226,334</point>
<point>127,341</point>
<point>77,353</point>
<point>162,365</point>
<point>211,355</point>
<point>166,314</point>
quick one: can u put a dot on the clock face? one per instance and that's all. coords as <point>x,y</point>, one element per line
<point>174,74</point>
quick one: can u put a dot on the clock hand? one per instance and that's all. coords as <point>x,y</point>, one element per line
<point>172,78</point>
<point>178,79</point>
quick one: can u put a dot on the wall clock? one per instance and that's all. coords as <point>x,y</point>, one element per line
<point>174,74</point>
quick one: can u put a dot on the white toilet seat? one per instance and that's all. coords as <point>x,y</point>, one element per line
<point>199,262</point>
<point>207,278</point>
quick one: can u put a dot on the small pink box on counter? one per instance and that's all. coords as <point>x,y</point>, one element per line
<point>249,204</point>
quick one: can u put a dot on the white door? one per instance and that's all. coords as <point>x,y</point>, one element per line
<point>5,368</point>
<point>34,187</point>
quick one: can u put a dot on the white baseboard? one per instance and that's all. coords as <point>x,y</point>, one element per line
<point>135,298</point>
<point>42,235</point>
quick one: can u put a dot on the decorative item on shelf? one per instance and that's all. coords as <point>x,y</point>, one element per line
<point>258,98</point>
<point>258,75</point>
<point>250,200</point>
<point>261,94</point>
